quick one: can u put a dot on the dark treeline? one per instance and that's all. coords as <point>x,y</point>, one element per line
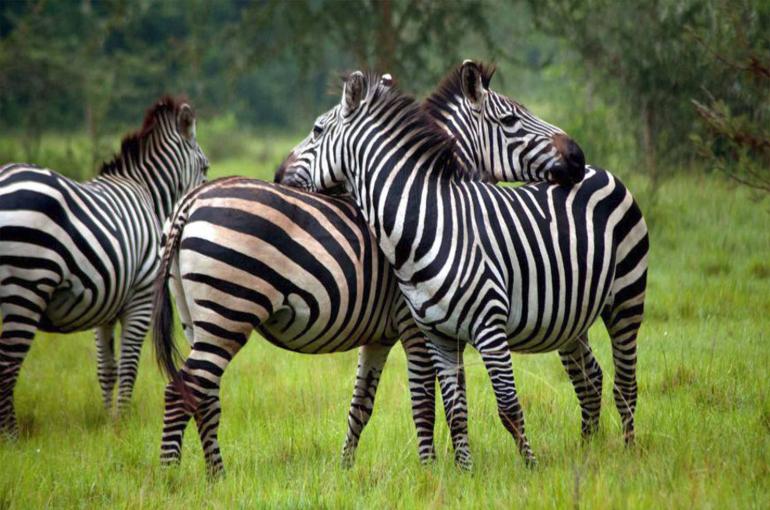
<point>688,79</point>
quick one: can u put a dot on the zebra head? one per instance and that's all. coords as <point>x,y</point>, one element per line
<point>193,163</point>
<point>163,155</point>
<point>319,150</point>
<point>499,137</point>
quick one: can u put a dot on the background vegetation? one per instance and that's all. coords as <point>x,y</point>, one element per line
<point>671,96</point>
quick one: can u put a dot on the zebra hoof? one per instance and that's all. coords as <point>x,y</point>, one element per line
<point>428,458</point>
<point>464,464</point>
<point>170,460</point>
<point>348,459</point>
<point>530,461</point>
<point>215,474</point>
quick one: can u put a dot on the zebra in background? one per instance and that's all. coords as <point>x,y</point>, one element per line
<point>526,269</point>
<point>79,256</point>
<point>305,272</point>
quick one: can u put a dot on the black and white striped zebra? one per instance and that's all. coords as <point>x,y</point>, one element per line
<point>76,256</point>
<point>526,269</point>
<point>496,137</point>
<point>316,283</point>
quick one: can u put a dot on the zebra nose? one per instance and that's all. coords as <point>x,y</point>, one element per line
<point>573,166</point>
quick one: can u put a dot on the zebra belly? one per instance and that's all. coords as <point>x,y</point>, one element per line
<point>70,300</point>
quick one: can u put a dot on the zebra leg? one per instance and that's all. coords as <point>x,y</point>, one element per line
<point>20,321</point>
<point>623,326</point>
<point>448,362</point>
<point>175,419</point>
<point>497,359</point>
<point>422,387</point>
<point>201,376</point>
<point>107,370</point>
<point>586,376</point>
<point>371,360</point>
<point>134,326</point>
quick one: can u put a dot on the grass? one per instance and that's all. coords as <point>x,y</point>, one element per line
<point>703,422</point>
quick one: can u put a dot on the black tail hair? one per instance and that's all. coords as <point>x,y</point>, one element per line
<point>166,353</point>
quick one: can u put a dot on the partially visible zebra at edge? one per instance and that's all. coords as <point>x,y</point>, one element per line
<point>77,256</point>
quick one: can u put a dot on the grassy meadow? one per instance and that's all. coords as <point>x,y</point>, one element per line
<point>703,421</point>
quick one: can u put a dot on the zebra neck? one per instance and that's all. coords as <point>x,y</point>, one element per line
<point>147,169</point>
<point>406,196</point>
<point>456,119</point>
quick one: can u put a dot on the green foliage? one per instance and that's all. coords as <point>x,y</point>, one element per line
<point>702,424</point>
<point>655,57</point>
<point>735,137</point>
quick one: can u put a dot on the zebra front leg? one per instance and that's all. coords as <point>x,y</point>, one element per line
<point>107,370</point>
<point>371,360</point>
<point>20,320</point>
<point>422,387</point>
<point>134,326</point>
<point>450,369</point>
<point>586,376</point>
<point>497,360</point>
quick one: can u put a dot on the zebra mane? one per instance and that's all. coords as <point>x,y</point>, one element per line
<point>389,96</point>
<point>451,87</point>
<point>130,146</point>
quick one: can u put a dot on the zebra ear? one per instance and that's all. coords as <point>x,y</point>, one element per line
<point>353,92</point>
<point>185,120</point>
<point>471,83</point>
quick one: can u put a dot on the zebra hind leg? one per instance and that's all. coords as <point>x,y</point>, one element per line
<point>201,375</point>
<point>107,370</point>
<point>623,326</point>
<point>422,388</point>
<point>586,376</point>
<point>134,327</point>
<point>497,360</point>
<point>450,369</point>
<point>175,419</point>
<point>20,321</point>
<point>371,360</point>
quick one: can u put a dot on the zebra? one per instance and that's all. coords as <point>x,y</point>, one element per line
<point>243,254</point>
<point>497,138</point>
<point>525,270</point>
<point>302,270</point>
<point>77,256</point>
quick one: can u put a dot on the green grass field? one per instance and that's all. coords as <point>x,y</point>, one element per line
<point>703,422</point>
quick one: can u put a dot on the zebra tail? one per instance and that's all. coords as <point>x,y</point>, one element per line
<point>167,354</point>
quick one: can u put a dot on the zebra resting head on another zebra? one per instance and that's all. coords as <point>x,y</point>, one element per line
<point>526,269</point>
<point>497,136</point>
<point>76,256</point>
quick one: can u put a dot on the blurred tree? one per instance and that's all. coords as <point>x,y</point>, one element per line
<point>735,134</point>
<point>639,46</point>
<point>402,37</point>
<point>661,54</point>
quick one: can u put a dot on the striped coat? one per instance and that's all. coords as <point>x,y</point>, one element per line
<point>77,256</point>
<point>526,269</point>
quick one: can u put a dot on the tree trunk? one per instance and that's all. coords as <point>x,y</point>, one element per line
<point>386,39</point>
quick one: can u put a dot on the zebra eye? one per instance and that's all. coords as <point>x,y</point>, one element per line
<point>508,120</point>
<point>317,130</point>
